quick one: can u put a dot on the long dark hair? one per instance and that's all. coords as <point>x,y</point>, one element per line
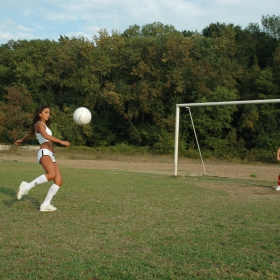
<point>37,118</point>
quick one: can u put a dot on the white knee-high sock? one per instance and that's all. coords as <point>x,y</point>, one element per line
<point>52,191</point>
<point>40,180</point>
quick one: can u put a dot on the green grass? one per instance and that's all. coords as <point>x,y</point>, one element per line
<point>121,225</point>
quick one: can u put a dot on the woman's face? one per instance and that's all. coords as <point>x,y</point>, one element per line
<point>45,114</point>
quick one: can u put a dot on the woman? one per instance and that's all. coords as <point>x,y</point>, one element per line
<point>46,158</point>
<point>278,159</point>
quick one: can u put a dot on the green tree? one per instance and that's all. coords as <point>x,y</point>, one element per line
<point>17,113</point>
<point>271,25</point>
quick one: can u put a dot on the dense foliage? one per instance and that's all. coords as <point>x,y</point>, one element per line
<point>131,82</point>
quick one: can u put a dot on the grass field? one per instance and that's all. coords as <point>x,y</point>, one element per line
<point>125,225</point>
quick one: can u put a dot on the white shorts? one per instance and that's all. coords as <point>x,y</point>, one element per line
<point>45,152</point>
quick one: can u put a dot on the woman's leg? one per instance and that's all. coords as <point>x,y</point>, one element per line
<point>52,173</point>
<point>39,180</point>
<point>278,185</point>
<point>52,170</point>
<point>25,187</point>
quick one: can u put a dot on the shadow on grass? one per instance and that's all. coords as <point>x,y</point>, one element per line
<point>262,184</point>
<point>12,193</point>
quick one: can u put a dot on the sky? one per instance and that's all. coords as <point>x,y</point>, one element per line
<point>50,19</point>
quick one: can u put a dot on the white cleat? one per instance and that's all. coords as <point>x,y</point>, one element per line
<point>47,208</point>
<point>277,188</point>
<point>22,190</point>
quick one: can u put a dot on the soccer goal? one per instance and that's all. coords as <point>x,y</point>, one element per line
<point>188,105</point>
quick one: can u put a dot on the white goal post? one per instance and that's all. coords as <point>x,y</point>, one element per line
<point>187,105</point>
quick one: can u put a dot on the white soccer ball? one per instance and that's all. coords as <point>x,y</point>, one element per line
<point>82,116</point>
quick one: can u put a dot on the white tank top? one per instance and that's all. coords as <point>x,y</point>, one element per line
<point>39,136</point>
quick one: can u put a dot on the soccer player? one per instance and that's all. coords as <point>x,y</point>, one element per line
<point>278,158</point>
<point>46,157</point>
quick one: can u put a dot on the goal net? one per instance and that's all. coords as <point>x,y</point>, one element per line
<point>188,105</point>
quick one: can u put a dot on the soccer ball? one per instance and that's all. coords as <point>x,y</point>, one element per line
<point>82,116</point>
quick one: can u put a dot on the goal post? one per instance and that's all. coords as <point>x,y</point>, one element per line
<point>187,105</point>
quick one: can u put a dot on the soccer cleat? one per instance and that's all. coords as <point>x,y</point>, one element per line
<point>277,188</point>
<point>22,190</point>
<point>47,208</point>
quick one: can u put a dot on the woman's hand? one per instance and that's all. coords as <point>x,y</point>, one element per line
<point>278,155</point>
<point>65,143</point>
<point>28,135</point>
<point>18,142</point>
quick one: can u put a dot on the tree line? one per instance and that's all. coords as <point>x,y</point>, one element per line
<point>131,82</point>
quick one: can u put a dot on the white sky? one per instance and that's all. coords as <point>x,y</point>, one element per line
<point>48,19</point>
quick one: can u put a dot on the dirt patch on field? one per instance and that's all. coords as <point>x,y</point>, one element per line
<point>158,165</point>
